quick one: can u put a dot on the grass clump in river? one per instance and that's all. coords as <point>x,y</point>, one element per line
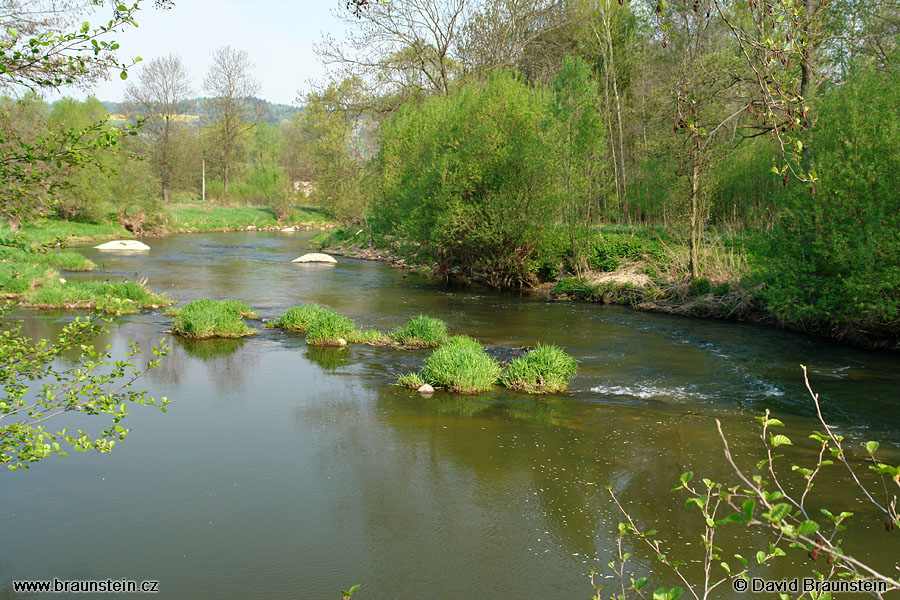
<point>329,328</point>
<point>322,326</point>
<point>545,370</point>
<point>298,318</point>
<point>421,332</point>
<point>118,297</point>
<point>205,319</point>
<point>412,381</point>
<point>461,365</point>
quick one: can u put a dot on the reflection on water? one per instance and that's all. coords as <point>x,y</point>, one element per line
<point>209,349</point>
<point>288,471</point>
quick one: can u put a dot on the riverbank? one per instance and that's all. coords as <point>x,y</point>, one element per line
<point>647,272</point>
<point>33,257</point>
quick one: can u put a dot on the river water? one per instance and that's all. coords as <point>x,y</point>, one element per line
<point>282,471</point>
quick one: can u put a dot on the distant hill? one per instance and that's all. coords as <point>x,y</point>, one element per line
<point>198,110</point>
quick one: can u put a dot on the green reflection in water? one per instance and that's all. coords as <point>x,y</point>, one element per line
<point>209,349</point>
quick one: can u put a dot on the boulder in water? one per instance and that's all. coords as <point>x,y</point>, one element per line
<point>314,257</point>
<point>132,245</point>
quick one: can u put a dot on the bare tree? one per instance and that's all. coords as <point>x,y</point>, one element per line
<point>159,96</point>
<point>497,33</point>
<point>230,83</point>
<point>401,44</point>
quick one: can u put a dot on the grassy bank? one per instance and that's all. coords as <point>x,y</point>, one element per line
<point>120,298</point>
<point>187,217</point>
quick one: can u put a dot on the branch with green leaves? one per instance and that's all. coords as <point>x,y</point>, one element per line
<point>764,502</point>
<point>38,389</point>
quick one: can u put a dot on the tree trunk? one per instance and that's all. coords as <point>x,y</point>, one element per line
<point>695,213</point>
<point>225,179</point>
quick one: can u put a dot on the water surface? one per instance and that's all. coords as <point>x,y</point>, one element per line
<point>283,471</point>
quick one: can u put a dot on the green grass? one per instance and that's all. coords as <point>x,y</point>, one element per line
<point>18,277</point>
<point>372,337</point>
<point>69,261</point>
<point>421,332</point>
<point>545,370</point>
<point>205,319</point>
<point>461,365</point>
<point>298,318</point>
<point>194,217</point>
<point>118,297</point>
<point>328,328</point>
<point>412,381</point>
<point>50,230</point>
<point>322,326</point>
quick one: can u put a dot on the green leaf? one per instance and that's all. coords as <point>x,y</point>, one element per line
<point>778,512</point>
<point>640,583</point>
<point>871,447</point>
<point>748,507</point>
<point>760,557</point>
<point>781,440</point>
<point>123,75</point>
<point>807,527</point>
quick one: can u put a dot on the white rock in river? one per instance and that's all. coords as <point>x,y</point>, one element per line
<point>314,257</point>
<point>288,230</point>
<point>425,389</point>
<point>123,245</point>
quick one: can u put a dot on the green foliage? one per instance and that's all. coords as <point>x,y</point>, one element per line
<point>464,180</point>
<point>36,389</point>
<point>421,332</point>
<point>700,286</point>
<point>328,328</point>
<point>545,370</point>
<point>322,326</point>
<point>115,297</point>
<point>574,132</point>
<point>17,277</point>
<point>298,318</point>
<point>412,381</point>
<point>192,217</point>
<point>461,365</point>
<point>372,337</point>
<point>204,319</point>
<point>576,287</point>
<point>834,258</point>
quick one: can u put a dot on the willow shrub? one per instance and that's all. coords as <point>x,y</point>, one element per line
<point>464,180</point>
<point>834,259</point>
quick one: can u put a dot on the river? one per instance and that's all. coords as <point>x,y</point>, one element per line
<point>282,471</point>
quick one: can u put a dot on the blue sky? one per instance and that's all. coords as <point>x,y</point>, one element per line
<point>277,34</point>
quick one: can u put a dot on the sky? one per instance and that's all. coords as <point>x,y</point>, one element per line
<point>278,35</point>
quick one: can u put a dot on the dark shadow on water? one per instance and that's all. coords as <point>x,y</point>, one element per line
<point>209,349</point>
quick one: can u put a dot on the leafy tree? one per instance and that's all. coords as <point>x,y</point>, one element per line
<point>332,135</point>
<point>834,259</point>
<point>465,180</point>
<point>44,49</point>
<point>575,129</point>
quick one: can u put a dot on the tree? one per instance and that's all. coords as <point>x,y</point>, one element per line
<point>331,136</point>
<point>41,54</point>
<point>159,97</point>
<point>392,45</point>
<point>230,82</point>
<point>42,48</point>
<point>575,134</point>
